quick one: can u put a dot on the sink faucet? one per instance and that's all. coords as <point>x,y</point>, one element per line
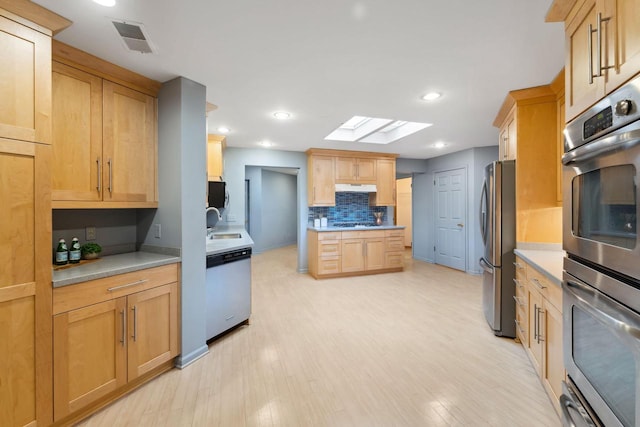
<point>217,211</point>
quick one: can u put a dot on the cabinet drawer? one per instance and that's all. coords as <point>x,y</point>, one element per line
<point>394,260</point>
<point>334,235</point>
<point>520,268</point>
<point>329,265</point>
<point>94,291</point>
<point>394,244</point>
<point>362,234</point>
<point>394,233</point>
<point>328,248</point>
<point>550,291</point>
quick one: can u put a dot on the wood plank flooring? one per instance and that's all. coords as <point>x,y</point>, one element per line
<point>398,349</point>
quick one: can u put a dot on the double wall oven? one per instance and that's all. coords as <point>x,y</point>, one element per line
<point>601,281</point>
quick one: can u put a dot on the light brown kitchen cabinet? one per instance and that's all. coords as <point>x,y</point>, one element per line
<point>215,161</point>
<point>110,333</point>
<point>385,183</point>
<point>354,170</point>
<point>321,184</point>
<point>104,138</point>
<point>348,253</point>
<point>522,302</point>
<point>25,213</point>
<point>508,137</point>
<point>543,342</point>
<point>619,52</point>
<point>529,118</point>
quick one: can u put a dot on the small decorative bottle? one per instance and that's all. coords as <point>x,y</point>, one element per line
<point>74,251</point>
<point>62,254</point>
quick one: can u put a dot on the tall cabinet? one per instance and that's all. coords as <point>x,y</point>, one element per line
<point>25,213</point>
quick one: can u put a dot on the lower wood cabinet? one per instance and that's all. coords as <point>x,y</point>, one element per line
<point>344,253</point>
<point>101,347</point>
<point>541,330</point>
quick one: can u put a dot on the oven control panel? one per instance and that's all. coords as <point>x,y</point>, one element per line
<point>596,124</point>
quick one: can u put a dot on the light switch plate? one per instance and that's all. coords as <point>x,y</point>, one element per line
<point>231,218</point>
<point>157,231</point>
<point>90,233</point>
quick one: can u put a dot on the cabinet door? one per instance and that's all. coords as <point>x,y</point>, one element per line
<point>152,328</point>
<point>89,354</point>
<point>553,372</point>
<point>25,92</point>
<point>374,254</point>
<point>535,329</point>
<point>579,93</point>
<point>25,283</point>
<point>352,255</point>
<point>322,184</point>
<point>366,171</point>
<point>622,40</point>
<point>508,138</point>
<point>346,170</point>
<point>215,164</point>
<point>385,184</point>
<point>503,143</point>
<point>129,145</point>
<point>77,135</point>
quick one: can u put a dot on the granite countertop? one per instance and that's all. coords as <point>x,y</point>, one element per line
<point>373,227</point>
<point>547,262</point>
<point>216,246</point>
<point>110,266</point>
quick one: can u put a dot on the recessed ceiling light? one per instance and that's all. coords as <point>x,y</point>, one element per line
<point>223,129</point>
<point>439,144</point>
<point>108,3</point>
<point>266,143</point>
<point>431,96</point>
<point>282,115</point>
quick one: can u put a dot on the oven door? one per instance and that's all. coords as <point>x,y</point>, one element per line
<point>602,347</point>
<point>600,199</point>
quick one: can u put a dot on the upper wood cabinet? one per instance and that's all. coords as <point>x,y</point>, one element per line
<point>529,116</point>
<point>215,163</point>
<point>353,170</point>
<point>619,52</point>
<point>385,183</point>
<point>507,144</point>
<point>321,183</point>
<point>104,138</point>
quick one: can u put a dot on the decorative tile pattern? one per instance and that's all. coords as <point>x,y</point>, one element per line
<point>350,207</point>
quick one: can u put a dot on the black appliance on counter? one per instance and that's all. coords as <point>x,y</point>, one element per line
<point>217,194</point>
<point>601,279</point>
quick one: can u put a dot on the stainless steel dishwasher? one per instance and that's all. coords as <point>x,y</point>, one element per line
<point>228,281</point>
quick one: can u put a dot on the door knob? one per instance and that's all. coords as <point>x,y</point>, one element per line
<point>460,225</point>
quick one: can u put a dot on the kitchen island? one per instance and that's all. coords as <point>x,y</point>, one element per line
<point>338,251</point>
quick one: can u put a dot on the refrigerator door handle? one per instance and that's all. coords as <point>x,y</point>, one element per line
<point>483,213</point>
<point>485,266</point>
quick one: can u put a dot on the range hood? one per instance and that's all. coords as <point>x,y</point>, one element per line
<point>356,188</point>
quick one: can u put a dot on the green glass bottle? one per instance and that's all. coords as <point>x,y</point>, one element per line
<point>74,251</point>
<point>62,253</point>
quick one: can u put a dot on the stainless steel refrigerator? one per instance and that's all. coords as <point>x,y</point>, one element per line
<point>498,229</point>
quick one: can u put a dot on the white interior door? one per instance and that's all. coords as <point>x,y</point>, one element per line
<point>403,208</point>
<point>450,218</point>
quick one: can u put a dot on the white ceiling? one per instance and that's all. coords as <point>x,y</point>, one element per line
<point>326,61</point>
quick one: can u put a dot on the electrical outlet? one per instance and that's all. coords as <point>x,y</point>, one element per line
<point>90,233</point>
<point>231,218</point>
<point>157,231</point>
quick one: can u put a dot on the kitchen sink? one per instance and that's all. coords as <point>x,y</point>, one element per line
<point>226,236</point>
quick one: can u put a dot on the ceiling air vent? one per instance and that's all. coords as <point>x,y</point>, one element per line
<point>134,36</point>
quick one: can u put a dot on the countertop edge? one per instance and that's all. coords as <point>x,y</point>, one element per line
<point>548,263</point>
<point>377,227</point>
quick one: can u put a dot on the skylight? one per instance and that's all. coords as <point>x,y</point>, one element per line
<point>374,130</point>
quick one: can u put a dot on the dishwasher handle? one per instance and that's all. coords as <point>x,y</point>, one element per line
<point>228,257</point>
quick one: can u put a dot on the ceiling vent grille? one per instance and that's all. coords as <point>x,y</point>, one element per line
<point>134,37</point>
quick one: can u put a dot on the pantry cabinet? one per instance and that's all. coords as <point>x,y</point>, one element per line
<point>104,138</point>
<point>321,184</point>
<point>110,333</point>
<point>587,81</point>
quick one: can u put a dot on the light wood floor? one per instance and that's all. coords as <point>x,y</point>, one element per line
<point>401,349</point>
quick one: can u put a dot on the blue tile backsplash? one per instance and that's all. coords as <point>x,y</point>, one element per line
<point>350,207</point>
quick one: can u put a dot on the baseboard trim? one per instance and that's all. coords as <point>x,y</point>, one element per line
<point>184,361</point>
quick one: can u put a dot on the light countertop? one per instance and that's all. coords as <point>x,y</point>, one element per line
<point>110,266</point>
<point>216,246</point>
<point>547,262</point>
<point>373,227</point>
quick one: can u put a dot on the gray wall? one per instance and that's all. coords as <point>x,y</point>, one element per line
<point>474,161</point>
<point>235,162</point>
<point>182,195</point>
<point>279,210</point>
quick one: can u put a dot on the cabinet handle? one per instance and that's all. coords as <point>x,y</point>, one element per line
<point>110,176</point>
<point>598,31</point>
<point>519,327</point>
<point>135,323</point>
<point>535,322</point>
<point>518,265</point>
<point>539,311</point>
<point>122,313</point>
<point>538,284</point>
<point>99,187</point>
<point>518,301</point>
<point>138,282</point>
